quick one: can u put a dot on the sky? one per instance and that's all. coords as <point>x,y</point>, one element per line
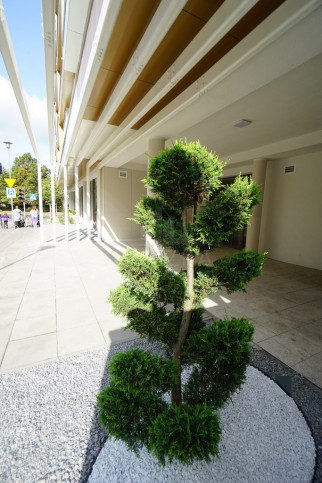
<point>24,23</point>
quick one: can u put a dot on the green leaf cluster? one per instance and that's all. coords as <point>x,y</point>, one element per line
<point>149,278</point>
<point>228,210</point>
<point>137,369</point>
<point>133,400</point>
<point>160,325</point>
<point>162,223</point>
<point>185,174</point>
<point>236,271</point>
<point>232,272</point>
<point>133,409</point>
<point>185,433</point>
<point>219,355</point>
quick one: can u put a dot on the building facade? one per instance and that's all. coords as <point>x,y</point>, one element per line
<point>126,78</point>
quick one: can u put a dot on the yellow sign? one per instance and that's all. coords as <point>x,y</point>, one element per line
<point>10,182</point>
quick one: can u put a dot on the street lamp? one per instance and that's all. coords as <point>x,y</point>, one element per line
<point>8,144</point>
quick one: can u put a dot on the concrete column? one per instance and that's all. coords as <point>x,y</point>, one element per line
<point>155,145</point>
<point>77,202</point>
<point>99,204</point>
<point>53,201</point>
<point>65,203</point>
<point>253,230</point>
<point>40,204</point>
<point>88,204</point>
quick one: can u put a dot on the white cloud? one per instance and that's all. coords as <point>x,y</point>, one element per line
<point>12,127</point>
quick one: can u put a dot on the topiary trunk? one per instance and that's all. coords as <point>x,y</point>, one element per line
<point>186,316</point>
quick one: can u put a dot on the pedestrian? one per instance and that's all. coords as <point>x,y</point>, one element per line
<point>1,221</point>
<point>16,216</point>
<point>34,216</point>
<point>5,219</point>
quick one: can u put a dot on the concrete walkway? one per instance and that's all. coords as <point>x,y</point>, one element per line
<point>53,302</point>
<point>53,297</point>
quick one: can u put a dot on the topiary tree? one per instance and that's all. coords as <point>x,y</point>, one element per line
<point>167,307</point>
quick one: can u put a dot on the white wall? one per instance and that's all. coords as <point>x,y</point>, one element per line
<point>291,227</point>
<point>120,197</point>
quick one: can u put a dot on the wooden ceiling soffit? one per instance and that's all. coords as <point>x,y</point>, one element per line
<point>59,45</point>
<point>58,156</point>
<point>187,25</point>
<point>249,22</point>
<point>203,9</point>
<point>57,88</point>
<point>67,89</point>
<point>94,166</point>
<point>82,168</point>
<point>133,19</point>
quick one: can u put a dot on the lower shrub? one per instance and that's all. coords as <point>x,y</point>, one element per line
<point>134,398</point>
<point>220,355</point>
<point>185,433</point>
<point>133,407</point>
<point>126,417</point>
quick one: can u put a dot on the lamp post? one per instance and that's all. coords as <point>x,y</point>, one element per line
<point>8,145</point>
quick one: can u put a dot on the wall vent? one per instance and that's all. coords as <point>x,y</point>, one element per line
<point>122,174</point>
<point>289,169</point>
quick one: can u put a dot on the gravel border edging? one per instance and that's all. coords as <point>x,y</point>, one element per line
<point>305,394</point>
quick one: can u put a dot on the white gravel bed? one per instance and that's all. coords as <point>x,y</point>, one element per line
<point>265,438</point>
<point>49,431</point>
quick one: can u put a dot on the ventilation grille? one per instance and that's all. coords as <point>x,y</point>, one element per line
<point>122,174</point>
<point>289,169</point>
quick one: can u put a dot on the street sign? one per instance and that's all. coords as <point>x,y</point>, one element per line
<point>11,192</point>
<point>33,197</point>
<point>10,182</point>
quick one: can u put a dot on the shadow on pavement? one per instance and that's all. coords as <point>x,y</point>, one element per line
<point>27,256</point>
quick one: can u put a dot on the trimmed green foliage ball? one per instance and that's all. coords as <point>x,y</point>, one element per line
<point>185,174</point>
<point>137,370</point>
<point>229,210</point>
<point>128,417</point>
<point>159,325</point>
<point>149,278</point>
<point>236,271</point>
<point>185,433</point>
<point>162,223</point>
<point>133,400</point>
<point>220,355</point>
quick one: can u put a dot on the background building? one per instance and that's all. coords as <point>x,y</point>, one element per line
<point>125,78</point>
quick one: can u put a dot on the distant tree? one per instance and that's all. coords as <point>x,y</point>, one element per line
<point>4,201</point>
<point>46,193</point>
<point>25,172</point>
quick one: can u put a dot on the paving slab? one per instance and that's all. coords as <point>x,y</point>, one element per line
<point>29,351</point>
<point>79,339</point>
